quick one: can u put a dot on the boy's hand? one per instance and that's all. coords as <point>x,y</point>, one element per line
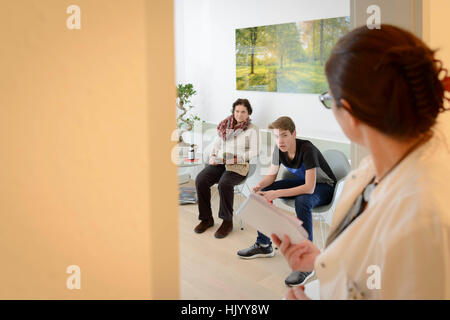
<point>256,188</point>
<point>269,195</point>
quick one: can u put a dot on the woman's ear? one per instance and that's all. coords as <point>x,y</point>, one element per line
<point>353,124</point>
<point>346,105</point>
<point>352,120</point>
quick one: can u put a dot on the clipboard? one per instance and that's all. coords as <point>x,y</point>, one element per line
<point>269,219</point>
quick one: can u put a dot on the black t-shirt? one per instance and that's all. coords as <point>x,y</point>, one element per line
<point>307,156</point>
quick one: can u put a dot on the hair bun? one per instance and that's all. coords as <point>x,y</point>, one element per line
<point>406,57</point>
<point>391,79</point>
<point>418,67</point>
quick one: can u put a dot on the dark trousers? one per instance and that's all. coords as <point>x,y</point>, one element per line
<point>226,181</point>
<point>323,194</point>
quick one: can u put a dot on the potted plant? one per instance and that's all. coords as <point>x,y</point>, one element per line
<point>185,120</point>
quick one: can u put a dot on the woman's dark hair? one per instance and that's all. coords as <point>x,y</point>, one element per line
<point>390,78</point>
<point>242,102</point>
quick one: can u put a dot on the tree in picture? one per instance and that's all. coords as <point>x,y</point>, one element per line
<point>287,57</point>
<point>251,46</point>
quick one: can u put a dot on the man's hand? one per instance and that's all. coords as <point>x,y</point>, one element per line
<point>301,256</point>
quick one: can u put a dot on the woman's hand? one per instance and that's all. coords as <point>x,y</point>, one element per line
<point>269,195</point>
<point>301,256</point>
<point>212,161</point>
<point>231,160</point>
<point>297,293</point>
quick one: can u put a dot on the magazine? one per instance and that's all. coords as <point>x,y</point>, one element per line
<point>268,219</point>
<point>188,195</point>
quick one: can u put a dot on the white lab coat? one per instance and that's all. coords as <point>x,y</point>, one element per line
<point>399,247</point>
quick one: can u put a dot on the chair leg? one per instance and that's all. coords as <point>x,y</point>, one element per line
<point>248,188</point>
<point>214,194</point>
<point>239,192</point>
<point>321,232</point>
<point>242,194</point>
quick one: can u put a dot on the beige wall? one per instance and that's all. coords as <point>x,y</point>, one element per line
<point>435,25</point>
<point>403,13</point>
<point>83,149</point>
<point>426,18</point>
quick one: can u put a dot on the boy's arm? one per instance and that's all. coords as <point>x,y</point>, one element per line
<point>307,188</point>
<point>268,178</point>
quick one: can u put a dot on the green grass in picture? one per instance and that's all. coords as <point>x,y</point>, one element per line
<point>260,80</point>
<point>298,78</point>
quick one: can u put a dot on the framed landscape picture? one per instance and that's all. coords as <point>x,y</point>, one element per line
<point>287,57</point>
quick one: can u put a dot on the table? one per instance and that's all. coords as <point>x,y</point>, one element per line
<point>184,178</point>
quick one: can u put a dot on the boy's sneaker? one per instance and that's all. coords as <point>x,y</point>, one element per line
<point>256,251</point>
<point>297,278</point>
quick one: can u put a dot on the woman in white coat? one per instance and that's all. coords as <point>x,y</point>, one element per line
<point>390,234</point>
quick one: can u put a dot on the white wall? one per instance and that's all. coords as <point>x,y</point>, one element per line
<point>205,57</point>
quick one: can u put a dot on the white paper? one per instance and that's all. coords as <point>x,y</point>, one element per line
<point>269,219</point>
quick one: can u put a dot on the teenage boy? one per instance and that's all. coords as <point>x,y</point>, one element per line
<point>313,186</point>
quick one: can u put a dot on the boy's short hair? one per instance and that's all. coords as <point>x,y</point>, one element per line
<point>283,123</point>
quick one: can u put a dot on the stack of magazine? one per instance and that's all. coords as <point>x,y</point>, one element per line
<point>188,195</point>
<point>268,219</point>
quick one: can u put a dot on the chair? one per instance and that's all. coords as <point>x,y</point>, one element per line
<point>239,188</point>
<point>340,166</point>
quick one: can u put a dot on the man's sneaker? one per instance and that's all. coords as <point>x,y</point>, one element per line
<point>256,251</point>
<point>297,278</point>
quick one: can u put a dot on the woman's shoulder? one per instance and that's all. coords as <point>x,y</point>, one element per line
<point>429,167</point>
<point>365,169</point>
<point>417,191</point>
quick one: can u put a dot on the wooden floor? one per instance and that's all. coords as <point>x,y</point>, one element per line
<point>211,269</point>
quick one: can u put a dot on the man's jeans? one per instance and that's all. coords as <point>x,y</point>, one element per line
<point>323,194</point>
